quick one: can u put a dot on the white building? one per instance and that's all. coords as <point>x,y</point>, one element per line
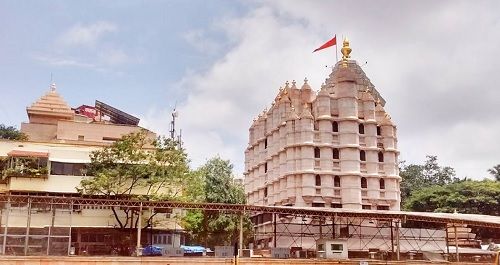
<point>52,163</point>
<point>334,148</point>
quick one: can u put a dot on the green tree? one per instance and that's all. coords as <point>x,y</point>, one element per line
<point>137,167</point>
<point>11,133</point>
<point>416,177</point>
<point>213,228</point>
<point>495,172</point>
<point>472,197</point>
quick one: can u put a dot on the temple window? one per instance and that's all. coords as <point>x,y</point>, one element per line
<point>317,153</point>
<point>361,129</point>
<point>336,181</point>
<point>364,184</point>
<point>335,126</point>
<point>380,157</point>
<point>362,155</point>
<point>318,180</point>
<point>336,154</point>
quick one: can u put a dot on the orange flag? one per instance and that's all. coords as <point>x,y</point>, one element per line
<point>328,44</point>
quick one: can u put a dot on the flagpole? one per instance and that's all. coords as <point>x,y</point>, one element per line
<point>336,50</point>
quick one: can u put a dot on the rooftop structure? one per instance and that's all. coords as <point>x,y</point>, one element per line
<point>52,120</point>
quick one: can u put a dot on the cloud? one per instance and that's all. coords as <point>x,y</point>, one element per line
<point>202,42</point>
<point>439,82</point>
<point>86,35</point>
<point>53,61</point>
<point>71,62</point>
<point>88,46</point>
<point>114,57</point>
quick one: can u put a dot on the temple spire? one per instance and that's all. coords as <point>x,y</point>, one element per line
<point>53,86</point>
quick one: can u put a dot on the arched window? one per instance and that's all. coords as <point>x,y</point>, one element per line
<point>336,154</point>
<point>362,155</point>
<point>336,181</point>
<point>380,157</point>
<point>364,185</point>
<point>265,167</point>
<point>379,130</point>
<point>316,125</point>
<point>318,180</point>
<point>265,192</point>
<point>265,143</point>
<point>382,184</point>
<point>317,153</point>
<point>361,128</point>
<point>335,127</point>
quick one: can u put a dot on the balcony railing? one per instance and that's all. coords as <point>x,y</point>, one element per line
<point>31,167</point>
<point>26,172</point>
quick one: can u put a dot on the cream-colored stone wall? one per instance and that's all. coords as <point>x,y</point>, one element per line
<point>293,143</point>
<point>39,132</point>
<point>94,132</point>
<point>58,152</point>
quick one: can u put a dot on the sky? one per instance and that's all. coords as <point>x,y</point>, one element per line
<point>221,62</point>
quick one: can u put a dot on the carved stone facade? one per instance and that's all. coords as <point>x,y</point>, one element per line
<point>334,148</point>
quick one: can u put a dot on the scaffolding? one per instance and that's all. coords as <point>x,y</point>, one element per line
<point>53,232</point>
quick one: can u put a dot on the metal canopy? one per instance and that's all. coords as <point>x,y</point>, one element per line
<point>444,218</point>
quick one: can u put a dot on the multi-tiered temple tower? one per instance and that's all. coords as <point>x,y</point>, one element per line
<point>334,148</point>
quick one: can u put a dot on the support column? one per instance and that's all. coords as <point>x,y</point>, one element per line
<point>71,207</point>
<point>398,249</point>
<point>333,226</point>
<point>7,213</point>
<point>321,227</point>
<point>139,226</point>
<point>447,242</point>
<point>392,239</point>
<point>274,230</point>
<point>53,210</point>
<point>456,242</point>
<point>241,232</point>
<point>28,224</point>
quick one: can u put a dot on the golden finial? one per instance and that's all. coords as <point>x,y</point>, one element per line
<point>346,51</point>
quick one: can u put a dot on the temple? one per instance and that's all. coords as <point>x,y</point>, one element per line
<point>333,148</point>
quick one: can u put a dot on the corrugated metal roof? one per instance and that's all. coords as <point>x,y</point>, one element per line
<point>451,218</point>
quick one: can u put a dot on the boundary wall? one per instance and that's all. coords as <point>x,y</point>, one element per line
<point>23,260</point>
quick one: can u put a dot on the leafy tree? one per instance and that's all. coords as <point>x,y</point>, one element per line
<point>137,167</point>
<point>472,197</point>
<point>213,228</point>
<point>11,133</point>
<point>416,177</point>
<point>495,172</point>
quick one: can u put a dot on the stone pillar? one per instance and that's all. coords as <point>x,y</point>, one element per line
<point>346,92</point>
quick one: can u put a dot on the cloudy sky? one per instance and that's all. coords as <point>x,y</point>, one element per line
<point>222,62</point>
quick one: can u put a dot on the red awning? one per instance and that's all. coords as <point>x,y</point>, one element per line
<point>20,153</point>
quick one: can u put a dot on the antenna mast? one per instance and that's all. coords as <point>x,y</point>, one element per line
<point>173,135</point>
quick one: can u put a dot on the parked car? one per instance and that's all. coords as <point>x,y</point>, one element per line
<point>152,250</point>
<point>194,250</point>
